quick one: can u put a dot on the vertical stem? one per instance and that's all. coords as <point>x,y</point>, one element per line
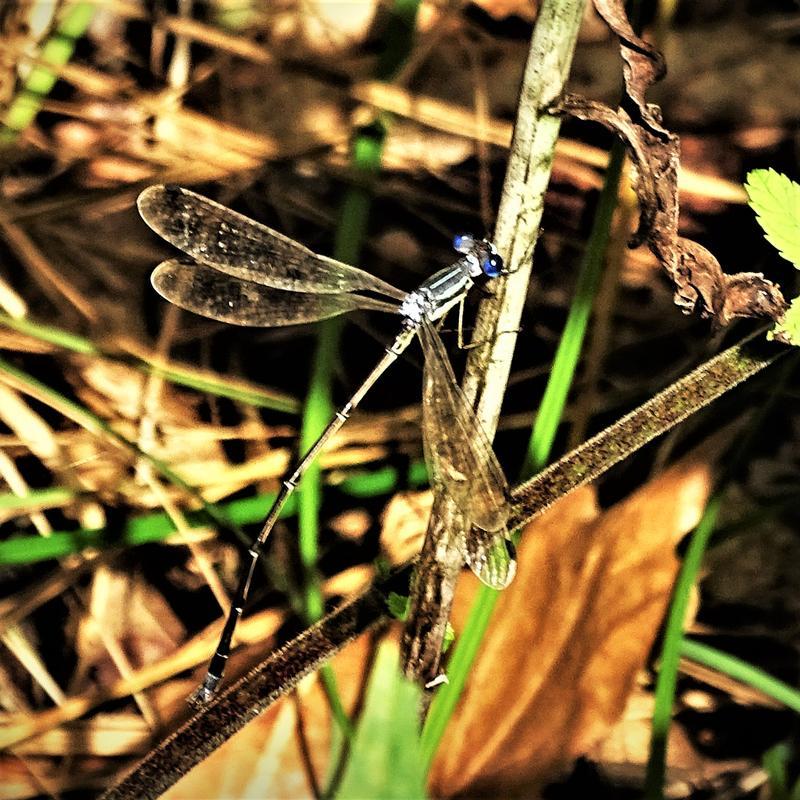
<point>528,173</point>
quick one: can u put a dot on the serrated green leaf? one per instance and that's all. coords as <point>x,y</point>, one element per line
<point>385,760</point>
<point>776,200</point>
<point>789,326</point>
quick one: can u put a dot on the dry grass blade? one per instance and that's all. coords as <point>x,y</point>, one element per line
<point>22,727</point>
<point>46,273</point>
<point>32,430</point>
<point>457,120</point>
<point>12,476</point>
<point>18,643</point>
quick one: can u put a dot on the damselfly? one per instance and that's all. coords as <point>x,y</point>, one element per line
<point>245,273</point>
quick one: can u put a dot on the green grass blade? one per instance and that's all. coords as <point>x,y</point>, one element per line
<point>56,52</point>
<point>51,335</point>
<point>144,529</point>
<point>158,526</point>
<point>458,667</point>
<point>775,762</point>
<point>37,499</point>
<point>742,671</point>
<point>384,480</point>
<point>367,152</point>
<point>671,649</point>
<point>350,235</point>
<point>570,345</point>
<point>319,407</point>
<point>317,413</point>
<point>385,759</point>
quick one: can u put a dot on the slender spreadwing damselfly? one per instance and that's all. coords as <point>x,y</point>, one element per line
<point>244,273</point>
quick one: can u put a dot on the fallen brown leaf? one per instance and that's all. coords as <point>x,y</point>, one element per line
<point>265,758</point>
<point>569,635</point>
<point>622,754</point>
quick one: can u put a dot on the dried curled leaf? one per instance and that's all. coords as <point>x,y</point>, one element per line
<point>643,64</point>
<point>700,283</point>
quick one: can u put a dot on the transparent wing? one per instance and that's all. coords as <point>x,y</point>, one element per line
<point>490,555</point>
<point>205,291</point>
<point>219,237</point>
<point>457,450</point>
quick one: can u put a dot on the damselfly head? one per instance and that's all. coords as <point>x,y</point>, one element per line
<point>484,256</point>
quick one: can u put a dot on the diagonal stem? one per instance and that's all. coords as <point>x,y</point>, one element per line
<point>239,703</point>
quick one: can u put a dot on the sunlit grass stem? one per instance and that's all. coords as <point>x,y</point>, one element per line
<point>531,156</point>
<point>54,54</point>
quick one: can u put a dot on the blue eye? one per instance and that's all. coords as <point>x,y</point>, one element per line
<point>492,266</point>
<point>463,242</point>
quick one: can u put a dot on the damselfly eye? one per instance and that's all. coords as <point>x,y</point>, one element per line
<point>463,242</point>
<point>492,265</point>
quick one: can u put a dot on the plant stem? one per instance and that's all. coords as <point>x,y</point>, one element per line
<point>241,701</point>
<point>56,52</point>
<point>528,173</point>
<point>630,433</point>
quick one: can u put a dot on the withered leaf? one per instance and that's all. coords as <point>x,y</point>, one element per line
<point>643,64</point>
<point>700,283</point>
<point>568,636</point>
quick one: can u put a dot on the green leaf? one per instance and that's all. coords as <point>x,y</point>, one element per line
<point>448,638</point>
<point>775,762</point>
<point>398,606</point>
<point>385,761</point>
<point>788,329</point>
<point>776,200</point>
